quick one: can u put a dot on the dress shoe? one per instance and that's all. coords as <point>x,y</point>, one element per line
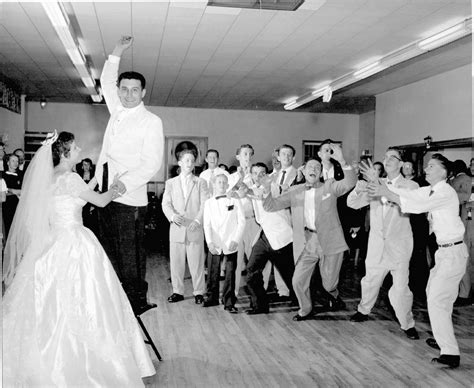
<point>231,309</point>
<point>336,304</point>
<point>431,342</point>
<point>175,298</point>
<point>210,303</point>
<point>254,311</point>
<point>447,359</point>
<point>198,299</point>
<point>298,318</point>
<point>412,333</point>
<point>359,317</point>
<point>139,310</point>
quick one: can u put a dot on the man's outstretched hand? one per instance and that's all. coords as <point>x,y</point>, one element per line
<point>123,43</point>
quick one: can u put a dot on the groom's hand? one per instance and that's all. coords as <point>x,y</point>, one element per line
<point>124,43</point>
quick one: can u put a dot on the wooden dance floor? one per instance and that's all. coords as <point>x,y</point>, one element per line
<point>208,347</point>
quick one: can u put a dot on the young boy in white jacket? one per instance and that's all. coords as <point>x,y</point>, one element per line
<point>224,223</point>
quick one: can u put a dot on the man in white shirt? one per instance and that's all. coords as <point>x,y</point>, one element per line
<point>281,182</point>
<point>442,203</point>
<point>212,160</point>
<point>132,149</point>
<point>274,244</point>
<point>390,246</point>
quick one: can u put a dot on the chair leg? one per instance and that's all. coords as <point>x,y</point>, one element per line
<point>148,341</point>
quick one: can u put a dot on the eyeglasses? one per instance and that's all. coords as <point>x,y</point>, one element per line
<point>392,157</point>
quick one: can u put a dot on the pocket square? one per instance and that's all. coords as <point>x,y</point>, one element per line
<point>326,196</point>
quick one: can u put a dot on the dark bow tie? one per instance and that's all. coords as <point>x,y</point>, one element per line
<point>221,196</point>
<point>309,187</point>
<point>389,182</point>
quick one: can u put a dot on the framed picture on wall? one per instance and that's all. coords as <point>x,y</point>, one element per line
<point>175,144</point>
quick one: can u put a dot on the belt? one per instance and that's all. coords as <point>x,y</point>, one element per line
<point>450,244</point>
<point>309,230</point>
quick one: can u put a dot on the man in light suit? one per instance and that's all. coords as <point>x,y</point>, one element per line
<point>281,182</point>
<point>390,245</point>
<point>183,205</point>
<point>317,233</point>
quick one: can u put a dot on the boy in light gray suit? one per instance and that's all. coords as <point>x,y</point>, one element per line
<point>183,205</point>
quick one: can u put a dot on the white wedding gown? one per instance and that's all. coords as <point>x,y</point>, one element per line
<point>66,320</point>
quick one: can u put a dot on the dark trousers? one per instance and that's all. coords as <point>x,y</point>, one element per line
<point>281,258</point>
<point>121,231</point>
<point>214,266</point>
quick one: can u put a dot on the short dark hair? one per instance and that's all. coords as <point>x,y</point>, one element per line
<point>9,156</point>
<point>444,161</point>
<point>18,149</point>
<point>184,152</point>
<point>237,152</point>
<point>62,146</point>
<point>132,75</point>
<point>287,146</point>
<point>327,141</point>
<point>260,164</point>
<point>399,151</point>
<point>382,173</point>
<point>458,166</point>
<point>212,150</point>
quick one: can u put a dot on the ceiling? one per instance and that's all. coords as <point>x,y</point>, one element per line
<point>227,58</point>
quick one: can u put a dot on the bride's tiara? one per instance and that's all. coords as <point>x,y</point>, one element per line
<point>50,138</point>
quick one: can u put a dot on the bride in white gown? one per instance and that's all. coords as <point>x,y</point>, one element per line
<point>66,319</point>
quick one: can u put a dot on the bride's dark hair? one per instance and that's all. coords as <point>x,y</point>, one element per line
<point>62,146</point>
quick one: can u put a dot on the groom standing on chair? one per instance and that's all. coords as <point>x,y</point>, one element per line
<point>133,149</point>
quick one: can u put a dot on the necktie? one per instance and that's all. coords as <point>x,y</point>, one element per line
<point>282,179</point>
<point>309,187</point>
<point>105,177</point>
<point>431,192</point>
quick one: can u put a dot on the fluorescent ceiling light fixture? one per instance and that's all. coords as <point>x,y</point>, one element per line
<point>56,13</point>
<point>61,24</point>
<point>395,57</point>
<point>446,36</point>
<point>76,55</point>
<point>276,5</point>
<point>319,92</point>
<point>88,81</point>
<point>367,69</point>
<point>291,105</point>
<point>96,97</point>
